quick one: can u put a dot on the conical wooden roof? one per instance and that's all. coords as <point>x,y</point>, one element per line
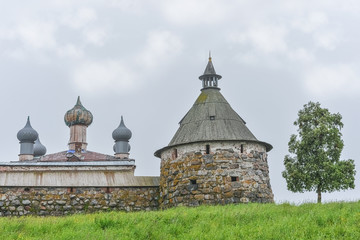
<point>211,118</point>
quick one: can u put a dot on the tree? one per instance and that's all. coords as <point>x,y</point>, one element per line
<point>317,149</point>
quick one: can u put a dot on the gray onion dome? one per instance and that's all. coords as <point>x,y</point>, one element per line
<point>122,133</point>
<point>39,149</point>
<point>78,115</point>
<point>27,134</point>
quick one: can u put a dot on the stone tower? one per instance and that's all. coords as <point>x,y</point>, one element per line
<point>213,157</point>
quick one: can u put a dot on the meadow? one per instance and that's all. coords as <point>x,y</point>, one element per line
<point>338,220</point>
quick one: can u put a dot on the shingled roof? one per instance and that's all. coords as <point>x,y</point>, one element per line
<point>211,118</point>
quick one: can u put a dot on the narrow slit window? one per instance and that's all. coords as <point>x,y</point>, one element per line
<point>175,153</point>
<point>234,179</point>
<point>242,148</point>
<point>192,182</point>
<point>207,149</point>
<point>108,190</point>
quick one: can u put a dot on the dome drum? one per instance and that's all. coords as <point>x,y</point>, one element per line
<point>26,148</point>
<point>122,147</point>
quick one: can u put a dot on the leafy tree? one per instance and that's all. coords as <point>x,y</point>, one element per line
<point>317,148</point>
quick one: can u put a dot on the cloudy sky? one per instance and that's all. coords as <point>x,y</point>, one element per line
<point>142,59</point>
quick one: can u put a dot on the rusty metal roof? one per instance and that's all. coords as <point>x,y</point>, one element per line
<point>86,156</point>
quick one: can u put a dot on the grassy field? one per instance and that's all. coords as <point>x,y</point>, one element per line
<point>251,221</point>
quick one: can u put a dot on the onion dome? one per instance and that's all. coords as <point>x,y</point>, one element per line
<point>122,133</point>
<point>78,115</point>
<point>39,149</point>
<point>27,134</point>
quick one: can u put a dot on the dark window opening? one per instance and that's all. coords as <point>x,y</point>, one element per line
<point>207,149</point>
<point>234,179</point>
<point>27,189</point>
<point>71,190</point>
<point>192,182</point>
<point>108,190</point>
<point>242,148</point>
<point>212,117</point>
<point>174,154</point>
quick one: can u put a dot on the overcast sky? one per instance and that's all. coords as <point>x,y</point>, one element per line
<point>142,59</point>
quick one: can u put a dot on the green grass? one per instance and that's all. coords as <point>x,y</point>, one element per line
<point>248,221</point>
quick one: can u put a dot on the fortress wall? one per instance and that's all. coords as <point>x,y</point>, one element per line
<point>191,177</point>
<point>18,201</point>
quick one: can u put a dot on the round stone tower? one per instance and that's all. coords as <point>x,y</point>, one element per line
<point>213,157</point>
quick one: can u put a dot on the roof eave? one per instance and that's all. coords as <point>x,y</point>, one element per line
<point>268,146</point>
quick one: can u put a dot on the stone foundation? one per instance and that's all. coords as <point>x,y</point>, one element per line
<point>18,201</point>
<point>232,172</point>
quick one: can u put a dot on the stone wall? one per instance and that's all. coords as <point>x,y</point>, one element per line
<point>232,172</point>
<point>18,201</point>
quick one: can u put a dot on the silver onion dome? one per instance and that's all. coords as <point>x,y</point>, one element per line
<point>27,134</point>
<point>39,149</point>
<point>122,133</point>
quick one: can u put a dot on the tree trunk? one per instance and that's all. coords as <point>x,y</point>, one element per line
<point>319,195</point>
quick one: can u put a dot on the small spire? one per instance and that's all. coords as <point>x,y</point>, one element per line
<point>78,102</point>
<point>210,78</point>
<point>122,121</point>
<point>28,122</point>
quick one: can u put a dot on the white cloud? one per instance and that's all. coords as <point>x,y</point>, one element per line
<point>327,40</point>
<point>161,47</point>
<point>36,34</point>
<point>104,77</point>
<point>339,80</point>
<point>302,55</point>
<point>191,12</point>
<point>128,6</point>
<point>16,54</point>
<point>80,18</point>
<point>263,38</point>
<point>70,50</point>
<point>95,36</point>
<point>311,22</point>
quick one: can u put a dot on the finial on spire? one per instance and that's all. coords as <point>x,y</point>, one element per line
<point>78,102</point>
<point>210,78</point>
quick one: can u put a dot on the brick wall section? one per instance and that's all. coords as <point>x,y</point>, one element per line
<point>224,176</point>
<point>17,201</point>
